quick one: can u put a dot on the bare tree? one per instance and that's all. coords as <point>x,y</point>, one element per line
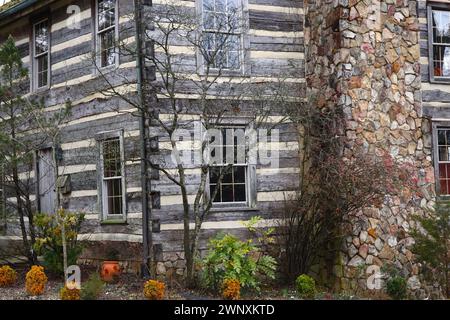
<point>332,189</point>
<point>25,127</point>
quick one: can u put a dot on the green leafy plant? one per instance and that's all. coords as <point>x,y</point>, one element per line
<point>306,286</point>
<point>92,288</point>
<point>231,258</point>
<point>396,287</point>
<point>432,244</point>
<point>49,239</point>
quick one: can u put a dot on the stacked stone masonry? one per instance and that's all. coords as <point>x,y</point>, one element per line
<point>364,55</point>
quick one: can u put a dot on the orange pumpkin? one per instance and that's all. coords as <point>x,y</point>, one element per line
<point>110,270</point>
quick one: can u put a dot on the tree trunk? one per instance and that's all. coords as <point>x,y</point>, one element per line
<point>31,256</point>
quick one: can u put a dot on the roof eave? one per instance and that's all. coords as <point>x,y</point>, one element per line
<point>17,8</point>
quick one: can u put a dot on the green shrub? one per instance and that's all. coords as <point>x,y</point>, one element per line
<point>396,287</point>
<point>432,240</point>
<point>231,258</point>
<point>49,239</point>
<point>306,286</point>
<point>92,288</point>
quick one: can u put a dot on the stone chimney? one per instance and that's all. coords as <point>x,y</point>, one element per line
<point>363,56</point>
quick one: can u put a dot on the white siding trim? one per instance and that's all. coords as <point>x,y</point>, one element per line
<point>86,14</point>
<point>278,9</point>
<point>276,55</point>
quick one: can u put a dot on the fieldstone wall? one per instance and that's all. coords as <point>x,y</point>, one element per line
<point>363,56</point>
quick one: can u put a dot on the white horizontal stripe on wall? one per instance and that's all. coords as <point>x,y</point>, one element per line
<point>110,237</point>
<point>276,34</point>
<point>92,142</point>
<point>220,225</point>
<point>238,79</point>
<point>196,145</point>
<point>276,55</point>
<point>122,89</point>
<point>72,61</point>
<point>88,77</point>
<point>278,9</point>
<point>434,86</point>
<point>276,171</point>
<point>274,196</point>
<point>86,14</point>
<point>98,117</point>
<point>194,96</point>
<point>180,3</point>
<point>266,8</point>
<point>71,43</point>
<point>22,41</point>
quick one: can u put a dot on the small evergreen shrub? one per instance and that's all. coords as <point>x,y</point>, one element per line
<point>69,293</point>
<point>35,281</point>
<point>8,276</point>
<point>306,286</point>
<point>92,288</point>
<point>396,287</point>
<point>231,289</point>
<point>154,290</point>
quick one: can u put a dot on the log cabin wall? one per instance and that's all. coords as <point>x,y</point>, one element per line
<point>275,47</point>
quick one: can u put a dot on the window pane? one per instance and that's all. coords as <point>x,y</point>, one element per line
<point>209,41</point>
<point>212,189</point>
<point>208,5</point>
<point>441,26</point>
<point>106,14</point>
<point>227,193</point>
<point>107,48</point>
<point>42,70</point>
<point>221,6</point>
<point>41,38</point>
<point>112,166</point>
<point>233,60</point>
<point>441,60</point>
<point>441,137</point>
<point>208,20</point>
<point>232,6</point>
<point>227,175</point>
<point>214,173</point>
<point>222,49</point>
<point>239,174</point>
<point>239,193</point>
<point>114,196</point>
<point>443,154</point>
<point>443,186</point>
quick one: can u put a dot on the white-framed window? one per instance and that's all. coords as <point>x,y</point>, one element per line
<point>112,177</point>
<point>41,56</point>
<point>222,26</point>
<point>229,150</point>
<point>106,17</point>
<point>442,147</point>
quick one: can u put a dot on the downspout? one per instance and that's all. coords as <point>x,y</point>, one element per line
<point>147,236</point>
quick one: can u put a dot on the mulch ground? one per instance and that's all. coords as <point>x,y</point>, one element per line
<point>128,287</point>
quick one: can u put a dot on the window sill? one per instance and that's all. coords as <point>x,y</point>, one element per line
<point>103,71</point>
<point>40,90</point>
<point>224,73</point>
<point>440,81</point>
<point>113,222</point>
